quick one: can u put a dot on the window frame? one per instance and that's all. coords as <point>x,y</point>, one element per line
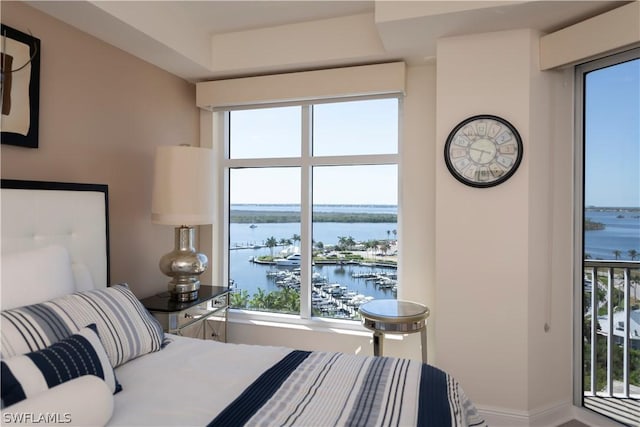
<point>580,72</point>
<point>306,162</point>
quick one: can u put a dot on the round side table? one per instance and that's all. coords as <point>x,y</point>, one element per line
<point>390,316</point>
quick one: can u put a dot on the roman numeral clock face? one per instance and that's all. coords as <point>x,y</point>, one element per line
<point>483,151</point>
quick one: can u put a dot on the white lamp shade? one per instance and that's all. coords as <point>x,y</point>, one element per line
<point>183,186</point>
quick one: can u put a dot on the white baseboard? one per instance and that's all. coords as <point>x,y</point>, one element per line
<point>549,416</point>
<point>552,415</point>
<point>499,417</point>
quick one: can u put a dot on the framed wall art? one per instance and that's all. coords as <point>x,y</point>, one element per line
<point>20,88</point>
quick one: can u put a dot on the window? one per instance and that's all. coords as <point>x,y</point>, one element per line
<point>608,268</point>
<point>312,206</point>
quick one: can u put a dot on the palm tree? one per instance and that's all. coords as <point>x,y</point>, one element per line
<point>342,242</point>
<point>374,247</point>
<point>617,253</point>
<point>240,299</point>
<point>395,234</point>
<point>385,247</point>
<point>346,242</point>
<point>369,245</point>
<point>388,234</point>
<point>296,238</point>
<point>259,300</point>
<point>350,242</point>
<point>271,243</point>
<point>285,242</point>
<point>633,254</point>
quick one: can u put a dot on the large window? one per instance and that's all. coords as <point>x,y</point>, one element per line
<point>608,268</point>
<point>312,206</point>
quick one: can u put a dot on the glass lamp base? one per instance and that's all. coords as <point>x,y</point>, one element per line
<point>184,265</point>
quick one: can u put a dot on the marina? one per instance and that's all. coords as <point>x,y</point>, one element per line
<point>248,245</point>
<point>334,299</point>
<point>339,285</point>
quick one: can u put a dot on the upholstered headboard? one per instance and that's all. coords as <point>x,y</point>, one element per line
<point>37,214</point>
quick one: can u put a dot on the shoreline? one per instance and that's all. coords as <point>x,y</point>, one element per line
<point>367,263</point>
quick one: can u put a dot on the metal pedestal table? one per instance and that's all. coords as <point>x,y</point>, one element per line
<point>390,316</point>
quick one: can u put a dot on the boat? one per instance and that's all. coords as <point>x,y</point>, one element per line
<point>291,260</point>
<point>253,226</point>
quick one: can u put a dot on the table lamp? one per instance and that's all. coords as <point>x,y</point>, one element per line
<point>183,197</point>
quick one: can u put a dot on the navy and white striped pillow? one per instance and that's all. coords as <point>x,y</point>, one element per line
<point>126,328</point>
<point>32,373</point>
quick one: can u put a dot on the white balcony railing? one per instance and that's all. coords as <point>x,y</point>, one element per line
<point>617,321</point>
<point>611,336</point>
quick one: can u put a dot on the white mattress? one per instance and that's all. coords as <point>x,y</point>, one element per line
<point>188,382</point>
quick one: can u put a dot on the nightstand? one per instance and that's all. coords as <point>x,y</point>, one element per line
<point>205,317</point>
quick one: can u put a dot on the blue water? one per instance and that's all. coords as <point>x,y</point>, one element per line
<point>325,232</point>
<point>621,234</point>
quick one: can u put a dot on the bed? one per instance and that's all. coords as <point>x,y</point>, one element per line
<point>55,301</point>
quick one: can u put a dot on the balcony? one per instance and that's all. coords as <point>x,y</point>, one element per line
<point>611,339</point>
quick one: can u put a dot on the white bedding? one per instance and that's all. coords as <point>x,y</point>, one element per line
<point>174,385</point>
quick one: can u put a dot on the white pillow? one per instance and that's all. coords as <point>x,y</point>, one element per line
<point>82,276</point>
<point>35,276</point>
<point>84,401</point>
<point>126,328</point>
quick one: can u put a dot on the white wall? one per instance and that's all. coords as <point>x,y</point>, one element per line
<point>550,289</point>
<point>482,234</point>
<point>503,258</point>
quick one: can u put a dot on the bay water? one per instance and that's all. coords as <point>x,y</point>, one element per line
<point>621,233</point>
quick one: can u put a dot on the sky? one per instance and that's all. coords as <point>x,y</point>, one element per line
<point>345,128</point>
<point>612,136</point>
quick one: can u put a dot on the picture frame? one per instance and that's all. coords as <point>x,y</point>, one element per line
<point>20,88</point>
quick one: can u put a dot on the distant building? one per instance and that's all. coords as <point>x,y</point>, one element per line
<point>618,327</point>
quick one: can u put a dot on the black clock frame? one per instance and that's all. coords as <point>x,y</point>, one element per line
<point>498,181</point>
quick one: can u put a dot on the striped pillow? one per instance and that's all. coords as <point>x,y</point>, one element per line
<point>32,373</point>
<point>126,328</point>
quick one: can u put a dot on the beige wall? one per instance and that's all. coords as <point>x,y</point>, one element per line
<point>482,235</point>
<point>102,113</point>
<point>503,264</point>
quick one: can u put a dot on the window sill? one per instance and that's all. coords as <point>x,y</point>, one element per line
<point>288,321</point>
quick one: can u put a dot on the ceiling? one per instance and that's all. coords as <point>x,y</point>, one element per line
<point>204,40</point>
<point>216,17</point>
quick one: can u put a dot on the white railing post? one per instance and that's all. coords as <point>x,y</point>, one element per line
<point>627,333</point>
<point>610,343</point>
<point>594,328</point>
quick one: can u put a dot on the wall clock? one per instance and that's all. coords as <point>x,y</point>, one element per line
<point>483,151</point>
